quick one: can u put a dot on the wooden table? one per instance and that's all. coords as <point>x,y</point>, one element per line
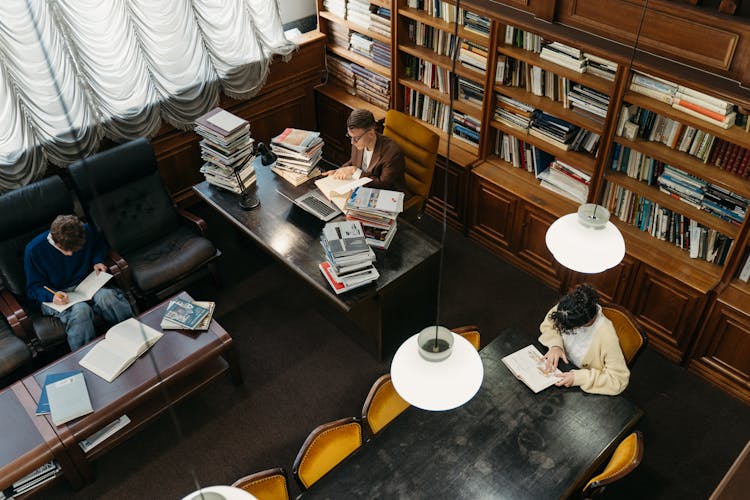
<point>507,442</point>
<point>179,364</point>
<point>400,303</point>
<point>28,442</point>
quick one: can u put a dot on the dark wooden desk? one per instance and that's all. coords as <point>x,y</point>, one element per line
<point>400,303</point>
<point>507,442</point>
<point>27,442</point>
<point>175,367</point>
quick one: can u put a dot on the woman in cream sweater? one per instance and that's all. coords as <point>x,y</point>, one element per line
<point>576,331</point>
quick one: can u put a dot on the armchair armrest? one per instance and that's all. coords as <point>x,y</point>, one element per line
<point>200,224</point>
<point>120,271</point>
<point>464,329</point>
<point>19,322</point>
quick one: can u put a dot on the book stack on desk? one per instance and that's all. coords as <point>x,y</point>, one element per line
<point>35,478</point>
<point>376,210</point>
<point>187,315</point>
<point>350,260</point>
<point>297,154</point>
<point>226,149</point>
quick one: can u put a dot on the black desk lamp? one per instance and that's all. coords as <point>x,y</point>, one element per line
<point>267,157</point>
<point>248,201</point>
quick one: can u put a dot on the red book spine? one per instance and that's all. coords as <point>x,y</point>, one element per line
<point>720,151</point>
<point>729,154</point>
<point>700,109</point>
<point>744,168</point>
<point>718,143</point>
<point>733,164</point>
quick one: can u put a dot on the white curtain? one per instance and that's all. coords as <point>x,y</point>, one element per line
<point>74,71</point>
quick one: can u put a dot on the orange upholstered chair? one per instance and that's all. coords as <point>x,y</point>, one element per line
<point>470,333</point>
<point>265,485</point>
<point>382,405</point>
<point>419,145</point>
<point>632,338</point>
<point>325,447</point>
<point>626,457</point>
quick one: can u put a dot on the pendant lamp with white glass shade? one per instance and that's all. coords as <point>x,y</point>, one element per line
<point>220,493</point>
<point>586,241</point>
<point>436,369</point>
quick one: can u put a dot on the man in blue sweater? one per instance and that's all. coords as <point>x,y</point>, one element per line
<point>59,259</point>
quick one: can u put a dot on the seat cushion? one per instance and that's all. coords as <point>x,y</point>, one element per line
<point>48,329</point>
<point>168,258</point>
<point>13,352</point>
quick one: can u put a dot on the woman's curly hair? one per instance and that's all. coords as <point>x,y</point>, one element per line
<point>575,309</point>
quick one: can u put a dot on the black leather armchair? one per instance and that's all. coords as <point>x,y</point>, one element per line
<point>158,247</point>
<point>27,211</point>
<point>15,355</point>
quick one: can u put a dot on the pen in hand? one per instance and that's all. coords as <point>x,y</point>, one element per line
<point>62,296</point>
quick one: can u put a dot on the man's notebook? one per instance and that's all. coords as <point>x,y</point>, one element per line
<point>315,203</point>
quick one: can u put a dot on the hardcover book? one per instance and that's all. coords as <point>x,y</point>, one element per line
<point>68,399</point>
<point>185,314</point>
<point>168,324</point>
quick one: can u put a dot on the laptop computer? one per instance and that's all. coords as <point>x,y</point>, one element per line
<point>315,203</point>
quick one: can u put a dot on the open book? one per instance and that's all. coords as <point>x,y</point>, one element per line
<point>121,346</point>
<point>84,291</point>
<point>337,190</point>
<point>527,365</point>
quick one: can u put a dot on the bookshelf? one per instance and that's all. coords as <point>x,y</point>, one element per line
<point>499,201</point>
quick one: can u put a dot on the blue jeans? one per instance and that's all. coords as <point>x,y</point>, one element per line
<point>109,303</point>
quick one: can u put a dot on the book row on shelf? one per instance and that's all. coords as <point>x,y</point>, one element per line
<point>664,224</point>
<point>359,81</point>
<point>374,50</point>
<point>439,78</point>
<point>697,104</point>
<point>464,127</point>
<point>441,42</point>
<point>695,191</point>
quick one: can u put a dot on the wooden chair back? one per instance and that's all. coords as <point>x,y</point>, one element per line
<point>470,333</point>
<point>631,335</point>
<point>419,145</point>
<point>269,484</point>
<point>626,457</point>
<point>382,405</point>
<point>325,447</point>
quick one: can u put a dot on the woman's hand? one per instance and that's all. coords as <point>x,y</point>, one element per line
<point>553,356</point>
<point>342,172</point>
<point>565,379</point>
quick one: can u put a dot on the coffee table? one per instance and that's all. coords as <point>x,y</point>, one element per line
<point>178,365</point>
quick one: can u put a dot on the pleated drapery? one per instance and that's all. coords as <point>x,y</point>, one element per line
<point>75,71</point>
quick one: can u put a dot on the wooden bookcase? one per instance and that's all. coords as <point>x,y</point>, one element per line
<point>694,311</point>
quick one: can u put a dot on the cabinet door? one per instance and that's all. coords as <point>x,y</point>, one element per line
<point>492,214</point>
<point>667,309</point>
<point>722,352</point>
<point>457,178</point>
<point>332,126</point>
<point>532,248</point>
<point>613,285</point>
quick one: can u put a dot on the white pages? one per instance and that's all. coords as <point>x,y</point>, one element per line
<point>527,365</point>
<point>121,346</point>
<point>337,190</point>
<point>84,291</point>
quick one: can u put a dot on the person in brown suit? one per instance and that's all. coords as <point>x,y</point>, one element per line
<point>373,155</point>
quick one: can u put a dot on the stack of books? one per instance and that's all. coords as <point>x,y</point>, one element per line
<point>653,87</point>
<point>476,23</point>
<point>473,55</point>
<point>337,7</point>
<point>466,127</point>
<point>187,315</point>
<point>361,44</point>
<point>513,112</point>
<point>705,107</point>
<point>564,55</point>
<point>380,21</point>
<point>376,210</point>
<point>588,101</point>
<point>358,12</point>
<point>371,87</point>
<point>682,186</point>
<point>565,180</point>
<point>380,53</point>
<point>553,130</point>
<point>600,67</point>
<point>724,204</point>
<point>470,91</point>
<point>340,73</point>
<point>349,260</point>
<point>338,35</point>
<point>297,154</point>
<point>35,478</point>
<point>730,157</point>
<point>226,149</point>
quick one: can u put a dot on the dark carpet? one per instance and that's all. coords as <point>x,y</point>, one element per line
<point>301,370</point>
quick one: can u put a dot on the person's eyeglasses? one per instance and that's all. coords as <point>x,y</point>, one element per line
<point>355,140</point>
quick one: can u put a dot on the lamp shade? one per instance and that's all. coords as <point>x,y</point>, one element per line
<point>586,241</point>
<point>437,385</point>
<point>220,493</point>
